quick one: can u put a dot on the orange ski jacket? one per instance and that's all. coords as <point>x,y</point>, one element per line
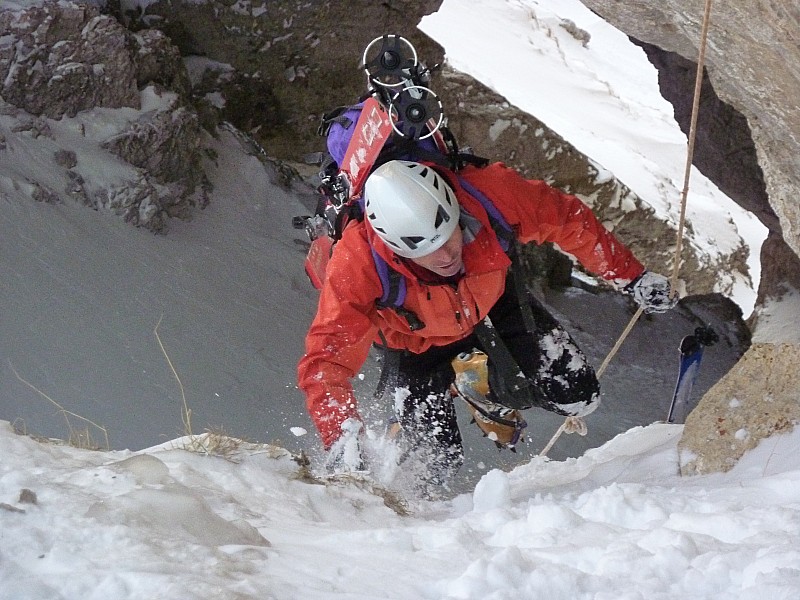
<point>348,321</point>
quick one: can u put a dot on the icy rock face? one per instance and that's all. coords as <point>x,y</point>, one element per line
<point>60,60</point>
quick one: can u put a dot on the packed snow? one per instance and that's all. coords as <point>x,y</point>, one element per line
<point>618,522</point>
<point>215,517</point>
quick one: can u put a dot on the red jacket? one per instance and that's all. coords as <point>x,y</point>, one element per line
<point>348,321</point>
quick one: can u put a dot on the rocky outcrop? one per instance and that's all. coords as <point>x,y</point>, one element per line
<point>159,62</point>
<point>756,399</point>
<point>165,146</point>
<point>61,59</point>
<point>294,60</point>
<point>58,60</point>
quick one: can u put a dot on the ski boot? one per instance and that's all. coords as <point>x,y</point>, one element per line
<point>502,425</point>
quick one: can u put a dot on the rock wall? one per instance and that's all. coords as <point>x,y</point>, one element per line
<point>752,66</point>
<point>752,58</point>
<point>726,154</point>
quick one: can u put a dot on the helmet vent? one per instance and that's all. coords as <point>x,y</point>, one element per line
<point>412,241</point>
<point>441,217</point>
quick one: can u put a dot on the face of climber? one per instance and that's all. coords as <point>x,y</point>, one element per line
<point>446,261</point>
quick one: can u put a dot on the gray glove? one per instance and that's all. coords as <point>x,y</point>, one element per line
<point>344,455</point>
<point>651,291</point>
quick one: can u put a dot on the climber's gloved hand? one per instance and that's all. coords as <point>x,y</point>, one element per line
<point>652,292</point>
<point>344,455</point>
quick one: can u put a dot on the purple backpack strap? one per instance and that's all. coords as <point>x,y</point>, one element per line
<point>392,283</point>
<point>501,228</point>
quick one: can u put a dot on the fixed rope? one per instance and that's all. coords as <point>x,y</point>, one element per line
<point>698,83</point>
<point>576,424</point>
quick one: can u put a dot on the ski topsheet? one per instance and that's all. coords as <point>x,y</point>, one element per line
<point>371,132</point>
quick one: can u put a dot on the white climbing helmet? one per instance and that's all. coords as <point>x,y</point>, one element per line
<point>411,207</point>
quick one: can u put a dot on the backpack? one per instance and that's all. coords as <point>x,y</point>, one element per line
<point>385,124</point>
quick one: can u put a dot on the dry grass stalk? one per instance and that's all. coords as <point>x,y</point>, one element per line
<point>186,415</point>
<point>391,499</point>
<point>212,442</point>
<point>215,443</point>
<point>78,438</point>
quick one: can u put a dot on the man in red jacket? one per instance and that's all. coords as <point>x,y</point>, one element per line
<point>461,290</point>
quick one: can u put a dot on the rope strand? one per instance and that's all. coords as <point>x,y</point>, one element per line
<point>698,84</point>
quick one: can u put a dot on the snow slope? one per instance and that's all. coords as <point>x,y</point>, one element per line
<point>82,293</point>
<point>615,523</point>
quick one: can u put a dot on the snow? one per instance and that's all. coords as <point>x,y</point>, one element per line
<point>215,517</point>
<point>618,522</point>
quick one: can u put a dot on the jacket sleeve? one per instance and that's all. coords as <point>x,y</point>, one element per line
<point>541,213</point>
<point>339,339</point>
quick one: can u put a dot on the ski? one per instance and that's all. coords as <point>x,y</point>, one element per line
<point>398,102</point>
<point>373,128</point>
<point>691,354</point>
